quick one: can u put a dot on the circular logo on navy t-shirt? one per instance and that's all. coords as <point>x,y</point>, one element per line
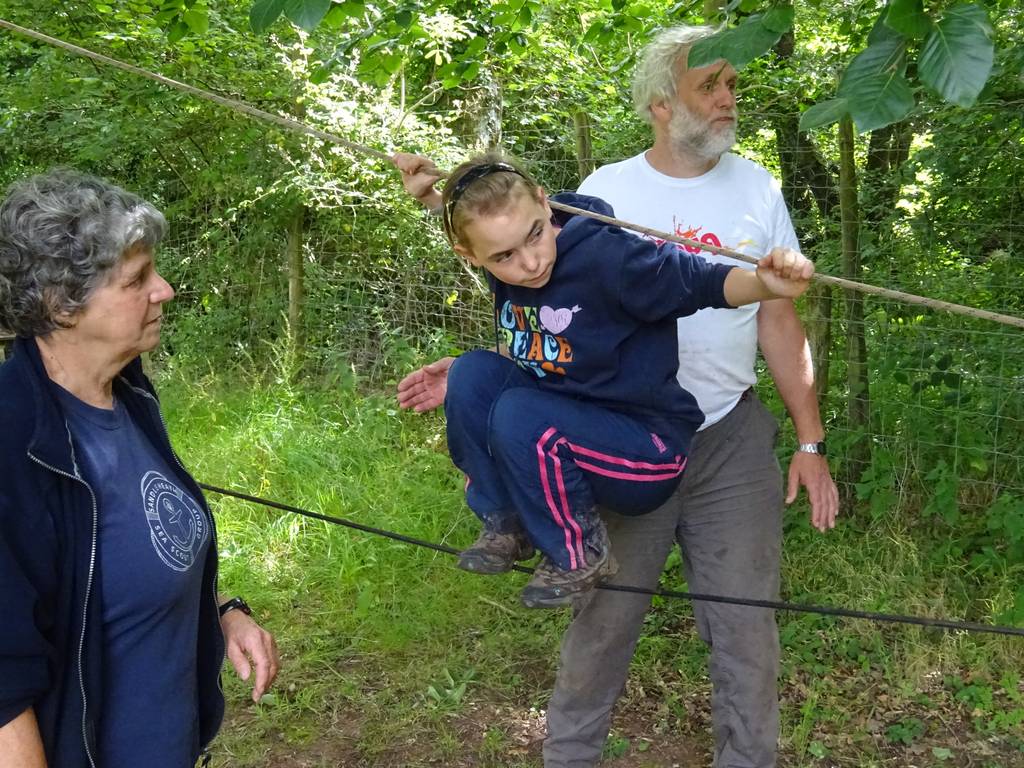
<point>177,524</point>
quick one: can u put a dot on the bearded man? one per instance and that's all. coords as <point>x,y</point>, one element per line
<point>727,514</point>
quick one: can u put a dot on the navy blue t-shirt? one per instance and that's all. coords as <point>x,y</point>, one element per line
<point>603,329</point>
<point>152,542</point>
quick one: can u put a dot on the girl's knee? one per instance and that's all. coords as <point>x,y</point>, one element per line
<point>477,368</point>
<point>474,377</point>
<point>515,419</point>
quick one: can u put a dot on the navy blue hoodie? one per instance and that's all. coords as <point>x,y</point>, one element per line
<point>604,326</point>
<point>51,643</point>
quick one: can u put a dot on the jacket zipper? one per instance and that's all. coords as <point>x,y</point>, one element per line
<point>88,592</point>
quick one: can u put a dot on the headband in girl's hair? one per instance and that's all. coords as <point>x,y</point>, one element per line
<point>474,173</point>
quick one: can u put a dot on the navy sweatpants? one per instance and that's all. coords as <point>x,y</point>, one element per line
<point>542,461</point>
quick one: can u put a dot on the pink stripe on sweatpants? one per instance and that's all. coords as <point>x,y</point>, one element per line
<point>552,506</point>
<point>668,466</point>
<point>566,509</point>
<point>629,476</point>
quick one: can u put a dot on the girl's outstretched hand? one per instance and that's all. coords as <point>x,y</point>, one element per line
<point>419,174</point>
<point>424,390</point>
<point>785,272</point>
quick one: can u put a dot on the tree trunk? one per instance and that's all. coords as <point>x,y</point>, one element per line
<point>584,149</point>
<point>818,326</point>
<point>482,113</point>
<point>858,412</point>
<point>296,289</point>
<point>808,184</point>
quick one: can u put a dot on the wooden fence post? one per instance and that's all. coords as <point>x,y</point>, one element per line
<point>584,150</point>
<point>858,405</point>
<point>296,289</point>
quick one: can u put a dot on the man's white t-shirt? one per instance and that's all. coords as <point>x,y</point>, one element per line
<point>737,204</point>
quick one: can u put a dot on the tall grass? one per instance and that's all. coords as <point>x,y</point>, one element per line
<point>393,656</point>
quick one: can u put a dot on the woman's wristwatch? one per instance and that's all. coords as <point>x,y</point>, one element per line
<point>233,603</point>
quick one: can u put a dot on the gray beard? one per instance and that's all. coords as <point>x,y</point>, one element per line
<point>688,135</point>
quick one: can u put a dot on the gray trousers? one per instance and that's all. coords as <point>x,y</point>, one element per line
<point>727,518</point>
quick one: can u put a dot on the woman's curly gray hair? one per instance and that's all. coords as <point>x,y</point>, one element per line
<point>61,235</point>
<point>662,62</point>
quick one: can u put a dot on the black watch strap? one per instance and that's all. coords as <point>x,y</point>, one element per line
<point>236,603</point>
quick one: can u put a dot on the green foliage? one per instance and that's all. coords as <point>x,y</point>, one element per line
<point>908,18</point>
<point>740,45</point>
<point>935,524</point>
<point>615,746</point>
<point>449,693</point>
<point>906,731</point>
<point>874,88</point>
<point>370,627</point>
<point>957,56</point>
<point>955,61</point>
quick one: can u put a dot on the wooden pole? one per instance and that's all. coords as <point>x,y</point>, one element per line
<point>858,411</point>
<point>584,148</point>
<point>296,288</point>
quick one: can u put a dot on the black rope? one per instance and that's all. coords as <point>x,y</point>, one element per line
<point>920,621</point>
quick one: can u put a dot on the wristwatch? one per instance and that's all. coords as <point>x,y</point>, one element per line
<point>818,448</point>
<point>233,603</point>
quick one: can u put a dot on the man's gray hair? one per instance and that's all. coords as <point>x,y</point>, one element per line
<point>62,233</point>
<point>662,62</point>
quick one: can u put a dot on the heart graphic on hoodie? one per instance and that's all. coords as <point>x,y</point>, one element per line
<point>557,320</point>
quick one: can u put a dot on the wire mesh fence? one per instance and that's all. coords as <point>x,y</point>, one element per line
<point>945,424</point>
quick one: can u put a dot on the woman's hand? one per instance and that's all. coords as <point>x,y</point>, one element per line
<point>248,646</point>
<point>418,177</point>
<point>785,272</point>
<point>424,390</point>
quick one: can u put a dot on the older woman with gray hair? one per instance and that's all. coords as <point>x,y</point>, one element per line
<point>114,634</point>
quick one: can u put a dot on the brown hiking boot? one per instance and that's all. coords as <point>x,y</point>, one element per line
<point>551,587</point>
<point>495,552</point>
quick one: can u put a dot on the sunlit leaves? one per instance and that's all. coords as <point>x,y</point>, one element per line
<point>178,17</point>
<point>955,61</point>
<point>957,56</point>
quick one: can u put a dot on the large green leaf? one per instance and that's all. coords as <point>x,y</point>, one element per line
<point>824,113</point>
<point>778,18</point>
<point>880,31</point>
<point>739,45</point>
<point>264,13</point>
<point>957,56</point>
<point>876,101</point>
<point>198,20</point>
<point>177,31</point>
<point>874,87</point>
<point>307,13</point>
<point>883,58</point>
<point>908,18</point>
